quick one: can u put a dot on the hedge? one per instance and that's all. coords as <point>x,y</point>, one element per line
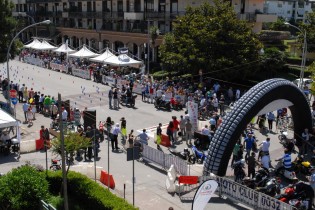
<point>85,189</point>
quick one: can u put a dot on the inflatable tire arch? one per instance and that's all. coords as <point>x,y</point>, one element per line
<point>247,107</point>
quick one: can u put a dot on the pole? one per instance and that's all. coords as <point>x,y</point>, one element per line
<point>303,60</point>
<point>148,46</point>
<point>108,137</point>
<point>94,155</point>
<point>8,53</point>
<point>133,176</point>
<point>64,175</point>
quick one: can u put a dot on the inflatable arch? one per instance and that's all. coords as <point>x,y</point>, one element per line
<point>264,97</point>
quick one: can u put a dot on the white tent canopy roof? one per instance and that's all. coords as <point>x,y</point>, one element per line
<point>34,42</point>
<point>6,120</point>
<point>122,60</point>
<point>44,45</point>
<point>103,57</point>
<point>64,48</point>
<point>84,52</point>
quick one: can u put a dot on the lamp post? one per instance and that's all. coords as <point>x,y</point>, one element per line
<point>9,48</point>
<point>304,51</point>
<point>23,14</point>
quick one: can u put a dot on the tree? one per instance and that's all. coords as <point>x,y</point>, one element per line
<point>7,27</point>
<point>272,61</point>
<point>210,37</point>
<point>23,188</point>
<point>73,142</point>
<point>309,27</point>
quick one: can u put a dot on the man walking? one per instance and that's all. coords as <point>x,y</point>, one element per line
<point>110,96</point>
<point>25,110</point>
<point>114,139</point>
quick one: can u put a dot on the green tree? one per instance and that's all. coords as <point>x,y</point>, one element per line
<point>272,61</point>
<point>73,142</point>
<point>23,188</point>
<point>7,27</point>
<point>309,27</point>
<point>210,37</point>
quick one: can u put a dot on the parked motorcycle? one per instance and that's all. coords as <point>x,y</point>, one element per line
<point>199,155</point>
<point>185,155</point>
<point>261,178</point>
<point>287,173</point>
<point>55,165</point>
<point>239,172</point>
<point>299,165</point>
<point>271,188</point>
<point>159,103</point>
<point>283,136</point>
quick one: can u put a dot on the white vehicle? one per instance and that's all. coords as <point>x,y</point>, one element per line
<point>306,82</point>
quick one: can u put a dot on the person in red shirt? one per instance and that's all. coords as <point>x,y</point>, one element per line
<point>176,127</point>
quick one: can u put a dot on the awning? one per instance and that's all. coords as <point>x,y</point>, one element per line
<point>84,52</point>
<point>7,120</point>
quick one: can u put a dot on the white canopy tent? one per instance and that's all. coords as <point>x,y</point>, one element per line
<point>44,45</point>
<point>7,120</point>
<point>103,57</point>
<point>64,48</point>
<point>34,42</point>
<point>84,52</point>
<point>122,60</point>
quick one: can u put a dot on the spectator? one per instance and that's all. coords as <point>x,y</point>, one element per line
<point>270,118</point>
<point>235,151</point>
<point>25,110</point>
<point>182,123</point>
<point>77,116</point>
<point>115,97</point>
<point>251,162</point>
<point>114,139</point>
<point>110,97</point>
<point>188,128</point>
<point>144,137</point>
<point>169,132</point>
<point>158,136</point>
<point>176,127</point>
<point>248,144</point>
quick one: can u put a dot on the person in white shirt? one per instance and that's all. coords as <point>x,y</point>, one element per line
<point>265,145</point>
<point>202,102</point>
<point>159,93</point>
<point>114,139</point>
<point>64,114</point>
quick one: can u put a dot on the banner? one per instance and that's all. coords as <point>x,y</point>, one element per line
<point>193,114</point>
<point>34,61</point>
<point>85,74</point>
<point>60,67</point>
<point>203,194</point>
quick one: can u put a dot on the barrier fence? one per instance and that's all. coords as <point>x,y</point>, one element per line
<point>238,193</point>
<point>164,160</point>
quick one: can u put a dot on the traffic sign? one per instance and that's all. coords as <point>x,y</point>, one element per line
<point>14,101</point>
<point>13,93</point>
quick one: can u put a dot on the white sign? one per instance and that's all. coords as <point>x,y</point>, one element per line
<point>193,114</point>
<point>204,194</point>
<point>85,74</point>
<point>60,67</point>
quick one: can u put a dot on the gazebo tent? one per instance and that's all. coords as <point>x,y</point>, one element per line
<point>122,60</point>
<point>6,120</point>
<point>34,42</point>
<point>64,48</point>
<point>103,57</point>
<point>84,52</point>
<point>43,46</point>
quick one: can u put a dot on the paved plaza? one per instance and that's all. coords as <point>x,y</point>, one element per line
<point>150,191</point>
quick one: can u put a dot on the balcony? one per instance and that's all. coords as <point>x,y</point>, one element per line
<point>163,15</point>
<point>95,15</point>
<point>42,1</point>
<point>48,14</point>
<point>133,15</point>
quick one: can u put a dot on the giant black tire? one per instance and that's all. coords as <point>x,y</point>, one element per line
<point>247,107</point>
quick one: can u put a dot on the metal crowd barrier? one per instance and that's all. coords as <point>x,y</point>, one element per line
<point>164,160</point>
<point>238,193</point>
<point>46,206</point>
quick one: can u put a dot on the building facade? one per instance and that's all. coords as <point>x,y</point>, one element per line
<point>122,23</point>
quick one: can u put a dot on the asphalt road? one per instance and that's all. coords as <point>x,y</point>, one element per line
<point>150,191</point>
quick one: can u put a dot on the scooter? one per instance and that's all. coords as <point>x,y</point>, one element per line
<point>185,155</point>
<point>239,172</point>
<point>299,165</point>
<point>55,165</point>
<point>283,137</point>
<point>159,103</point>
<point>287,173</point>
<point>199,155</point>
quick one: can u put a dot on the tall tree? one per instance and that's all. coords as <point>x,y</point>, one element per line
<point>309,26</point>
<point>7,27</point>
<point>210,37</point>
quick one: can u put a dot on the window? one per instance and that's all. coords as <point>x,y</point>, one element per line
<point>279,5</point>
<point>288,12</point>
<point>290,3</point>
<point>150,5</point>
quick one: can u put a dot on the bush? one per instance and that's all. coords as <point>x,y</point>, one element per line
<point>163,74</point>
<point>23,188</point>
<point>85,189</point>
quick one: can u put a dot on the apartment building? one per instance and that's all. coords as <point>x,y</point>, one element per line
<point>290,10</point>
<point>122,23</point>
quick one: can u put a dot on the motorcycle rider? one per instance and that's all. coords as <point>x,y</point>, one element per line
<point>286,160</point>
<point>128,95</point>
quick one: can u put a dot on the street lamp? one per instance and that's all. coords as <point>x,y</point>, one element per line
<point>23,14</point>
<point>303,53</point>
<point>9,48</point>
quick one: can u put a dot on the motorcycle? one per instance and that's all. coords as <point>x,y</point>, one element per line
<point>271,188</point>
<point>131,101</point>
<point>287,173</point>
<point>261,178</point>
<point>185,155</point>
<point>199,155</point>
<point>55,165</point>
<point>299,165</point>
<point>283,137</point>
<point>159,103</point>
<point>239,172</point>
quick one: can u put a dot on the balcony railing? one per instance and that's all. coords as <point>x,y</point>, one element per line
<point>247,16</point>
<point>97,15</point>
<point>48,14</point>
<point>163,15</point>
<point>41,1</point>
